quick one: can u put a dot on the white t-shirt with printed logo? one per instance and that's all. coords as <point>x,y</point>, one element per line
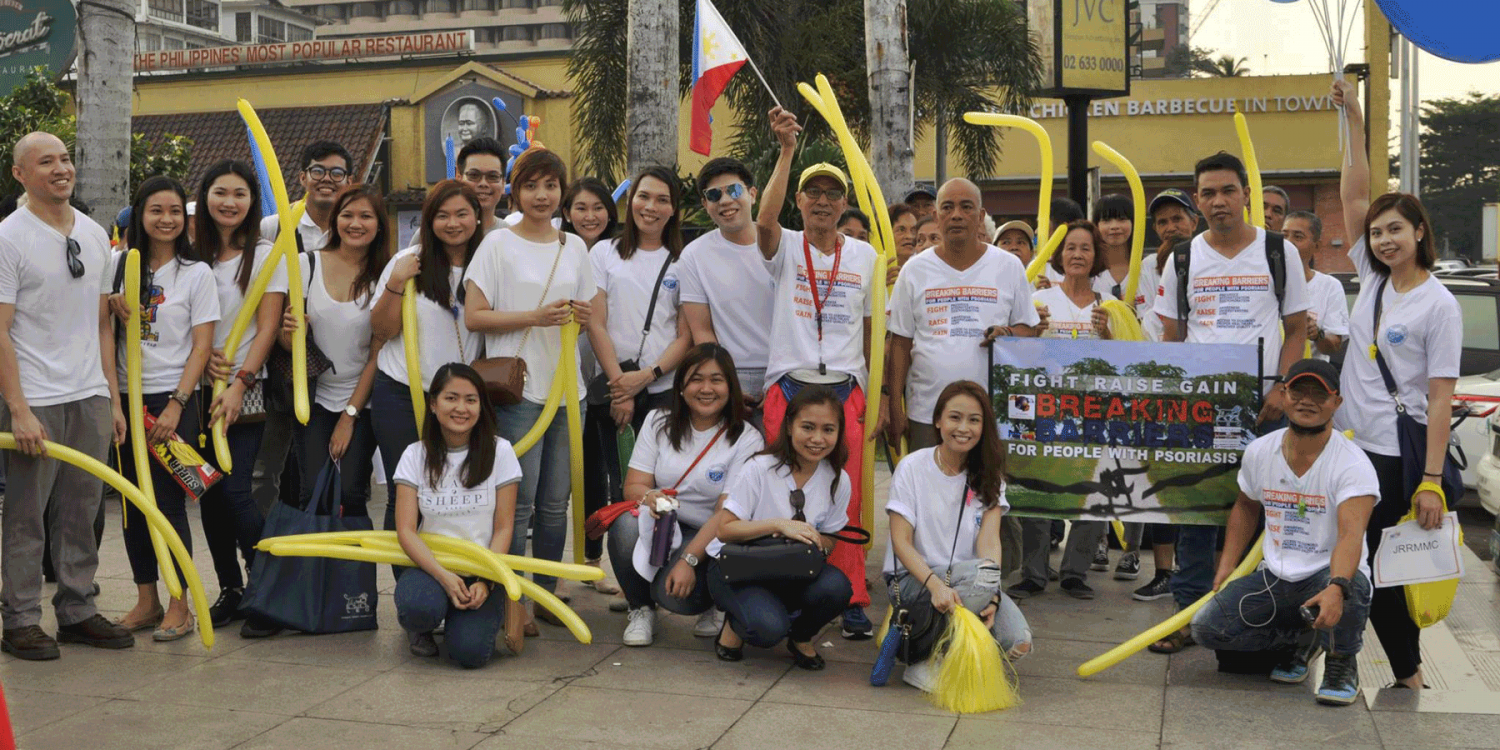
<point>698,494</point>
<point>1421,337</point>
<point>1065,319</point>
<point>1302,520</point>
<point>762,491</point>
<point>56,325</point>
<point>226,278</point>
<point>1233,300</point>
<point>945,312</point>
<point>1330,308</point>
<point>442,336</point>
<point>929,500</point>
<point>794,330</point>
<point>627,285</point>
<point>182,297</point>
<point>449,508</point>
<point>732,280</point>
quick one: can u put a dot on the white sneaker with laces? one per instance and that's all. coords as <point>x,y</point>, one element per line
<point>708,624</point>
<point>640,628</point>
<point>921,675</point>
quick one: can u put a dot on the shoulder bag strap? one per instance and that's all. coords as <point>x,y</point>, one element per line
<point>952,552</point>
<point>562,241</point>
<point>1385,370</point>
<point>1182,258</point>
<point>651,308</point>
<point>701,454</point>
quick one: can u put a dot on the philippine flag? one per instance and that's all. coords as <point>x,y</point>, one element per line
<point>717,56</point>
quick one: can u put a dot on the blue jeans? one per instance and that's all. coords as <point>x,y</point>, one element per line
<point>545,484</point>
<point>764,615</point>
<point>1010,628</point>
<point>170,497</point>
<point>394,428</point>
<point>639,592</point>
<point>355,467</point>
<point>230,516</point>
<point>1260,612</point>
<point>469,634</point>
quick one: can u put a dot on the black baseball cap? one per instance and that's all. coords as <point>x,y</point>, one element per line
<point>1318,369</point>
<point>921,188</point>
<point>1173,196</point>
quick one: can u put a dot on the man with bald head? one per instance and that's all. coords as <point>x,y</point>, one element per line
<point>949,301</point>
<point>58,383</point>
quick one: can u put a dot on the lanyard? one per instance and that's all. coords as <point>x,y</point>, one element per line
<point>812,281</point>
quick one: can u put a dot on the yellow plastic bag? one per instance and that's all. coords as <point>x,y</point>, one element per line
<point>1428,603</point>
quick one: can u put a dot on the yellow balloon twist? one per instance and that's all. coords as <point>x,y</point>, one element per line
<point>154,519</point>
<point>1123,323</point>
<point>1044,255</point>
<point>132,290</point>
<point>1043,140</point>
<point>584,573</point>
<point>567,372</point>
<point>554,399</point>
<point>1252,166</point>
<point>289,216</point>
<point>409,332</point>
<point>1170,625</point>
<point>499,571</point>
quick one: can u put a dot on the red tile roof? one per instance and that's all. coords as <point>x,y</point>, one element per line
<point>221,135</point>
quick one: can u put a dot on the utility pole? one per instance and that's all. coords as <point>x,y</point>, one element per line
<point>651,85</point>
<point>106,46</point>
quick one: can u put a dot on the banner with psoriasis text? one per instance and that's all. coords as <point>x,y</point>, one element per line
<point>1133,430</point>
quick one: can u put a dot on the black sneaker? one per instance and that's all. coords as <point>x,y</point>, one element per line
<point>227,608</point>
<point>1129,567</point>
<point>1076,588</point>
<point>1294,670</point>
<point>97,632</point>
<point>1159,588</point>
<point>1340,681</point>
<point>1025,590</point>
<point>258,627</point>
<point>857,625</point>
<point>422,644</point>
<point>1101,556</point>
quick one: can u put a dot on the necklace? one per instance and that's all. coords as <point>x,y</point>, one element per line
<point>943,466</point>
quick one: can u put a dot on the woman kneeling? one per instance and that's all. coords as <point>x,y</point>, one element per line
<point>461,479</point>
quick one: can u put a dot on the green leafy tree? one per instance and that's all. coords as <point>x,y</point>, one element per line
<point>1154,370</point>
<point>1091,366</point>
<point>1223,66</point>
<point>1460,168</point>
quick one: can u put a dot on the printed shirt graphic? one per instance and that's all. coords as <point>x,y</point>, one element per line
<point>449,508</point>
<point>1302,512</point>
<point>1067,320</point>
<point>794,330</point>
<point>181,296</point>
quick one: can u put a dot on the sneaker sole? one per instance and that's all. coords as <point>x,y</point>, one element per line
<point>1150,597</point>
<point>1127,575</point>
<point>1014,594</point>
<point>1336,700</point>
<point>1098,568</point>
<point>122,642</point>
<point>638,644</point>
<point>1289,680</point>
<point>32,654</point>
<point>853,635</point>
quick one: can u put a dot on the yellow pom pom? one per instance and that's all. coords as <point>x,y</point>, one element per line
<point>1123,325</point>
<point>973,676</point>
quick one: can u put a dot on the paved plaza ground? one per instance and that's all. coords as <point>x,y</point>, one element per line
<point>365,690</point>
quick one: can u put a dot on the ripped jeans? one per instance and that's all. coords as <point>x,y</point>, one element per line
<point>1010,628</point>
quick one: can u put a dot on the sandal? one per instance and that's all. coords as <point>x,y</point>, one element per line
<point>1173,643</point>
<point>149,623</point>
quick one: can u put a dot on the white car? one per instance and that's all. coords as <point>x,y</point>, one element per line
<point>1481,394</point>
<point>1487,467</point>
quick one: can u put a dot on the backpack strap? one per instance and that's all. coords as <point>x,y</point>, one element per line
<point>1182,258</point>
<point>1276,259</point>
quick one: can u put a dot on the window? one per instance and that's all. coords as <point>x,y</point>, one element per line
<point>172,43</point>
<point>203,14</point>
<point>515,34</point>
<point>298,34</point>
<point>442,6</point>
<point>150,42</point>
<point>243,28</point>
<point>331,11</point>
<point>269,31</point>
<point>552,31</point>
<point>1480,325</point>
<point>546,3</point>
<point>485,5</point>
<point>516,4</point>
<point>401,8</point>
<point>167,10</point>
<point>364,10</point>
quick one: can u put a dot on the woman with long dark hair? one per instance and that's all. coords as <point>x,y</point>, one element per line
<point>459,481</point>
<point>341,281</point>
<point>796,488</point>
<point>179,307</point>
<point>1405,334</point>
<point>445,246</point>
<point>687,456</point>
<point>945,508</point>
<point>228,239</point>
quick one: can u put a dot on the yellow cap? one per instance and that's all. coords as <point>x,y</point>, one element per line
<point>823,169</point>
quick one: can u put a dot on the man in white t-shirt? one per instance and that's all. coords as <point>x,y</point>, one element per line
<point>727,294</point>
<point>820,324</point>
<point>1328,314</point>
<point>1316,489</point>
<point>481,163</point>
<point>949,302</point>
<point>58,381</point>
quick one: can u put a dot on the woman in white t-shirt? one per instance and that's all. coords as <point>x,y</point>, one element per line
<point>446,243</point>
<point>228,239</point>
<point>690,451</point>
<point>797,488</point>
<point>179,307</point>
<point>945,508</point>
<point>635,277</point>
<point>526,282</point>
<point>1419,336</point>
<point>459,481</point>
<point>341,280</point>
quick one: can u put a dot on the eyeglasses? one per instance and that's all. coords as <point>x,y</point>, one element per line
<point>799,499</point>
<point>75,266</point>
<point>337,174</point>
<point>815,193</point>
<point>493,178</point>
<point>714,195</point>
<point>1313,394</point>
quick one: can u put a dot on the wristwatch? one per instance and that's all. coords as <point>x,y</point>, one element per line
<point>656,372</point>
<point>181,397</point>
<point>1342,582</point>
<point>246,377</point>
<point>691,559</point>
<point>351,410</point>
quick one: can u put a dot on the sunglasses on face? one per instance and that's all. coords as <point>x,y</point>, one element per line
<point>734,191</point>
<point>475,176</point>
<point>75,265</point>
<point>337,174</point>
<point>799,499</point>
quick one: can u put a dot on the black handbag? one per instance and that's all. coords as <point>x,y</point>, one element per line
<point>776,559</point>
<point>918,622</point>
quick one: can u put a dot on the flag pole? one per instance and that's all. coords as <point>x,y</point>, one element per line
<point>761,76</point>
<point>730,29</point>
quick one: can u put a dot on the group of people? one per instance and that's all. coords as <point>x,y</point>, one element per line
<point>740,362</point>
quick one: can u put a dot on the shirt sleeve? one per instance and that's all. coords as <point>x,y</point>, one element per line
<point>1296,298</point>
<point>586,286</point>
<point>1445,339</point>
<point>749,444</point>
<point>204,297</point>
<point>903,319</point>
<point>743,492</point>
<point>688,279</point>
<point>484,270</point>
<point>1335,318</point>
<point>409,470</point>
<point>1360,257</point>
<point>648,445</point>
<point>279,283</point>
<point>1022,312</point>
<point>1166,292</point>
<point>838,515</point>
<point>598,266</point>
<point>507,468</point>
<point>783,252</point>
<point>902,500</point>
<point>1357,478</point>
<point>10,272</point>
<point>1251,465</point>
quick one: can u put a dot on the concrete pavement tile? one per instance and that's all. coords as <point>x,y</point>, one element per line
<point>697,672</point>
<point>1253,743</point>
<point>844,685</point>
<point>91,671</point>
<point>1053,615</point>
<point>326,734</point>
<point>973,733</point>
<point>367,649</point>
<point>227,640</point>
<point>1070,701</point>
<point>1198,667</point>
<point>780,725</point>
<point>30,709</point>
<point>406,698</point>
<point>132,725</point>
<point>630,718</point>
<point>508,741</point>
<point>271,687</point>
<point>1060,658</point>
<point>1446,730</point>
<point>1269,718</point>
<point>542,660</point>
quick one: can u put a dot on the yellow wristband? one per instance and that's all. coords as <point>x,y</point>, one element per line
<point>1436,488</point>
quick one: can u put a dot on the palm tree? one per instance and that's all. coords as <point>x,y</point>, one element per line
<point>1223,66</point>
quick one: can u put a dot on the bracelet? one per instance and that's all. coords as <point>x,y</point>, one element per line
<point>393,291</point>
<point>930,574</point>
<point>1435,488</point>
<point>1437,474</point>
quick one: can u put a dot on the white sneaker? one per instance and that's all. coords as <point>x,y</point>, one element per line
<point>708,624</point>
<point>641,627</point>
<point>921,675</point>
